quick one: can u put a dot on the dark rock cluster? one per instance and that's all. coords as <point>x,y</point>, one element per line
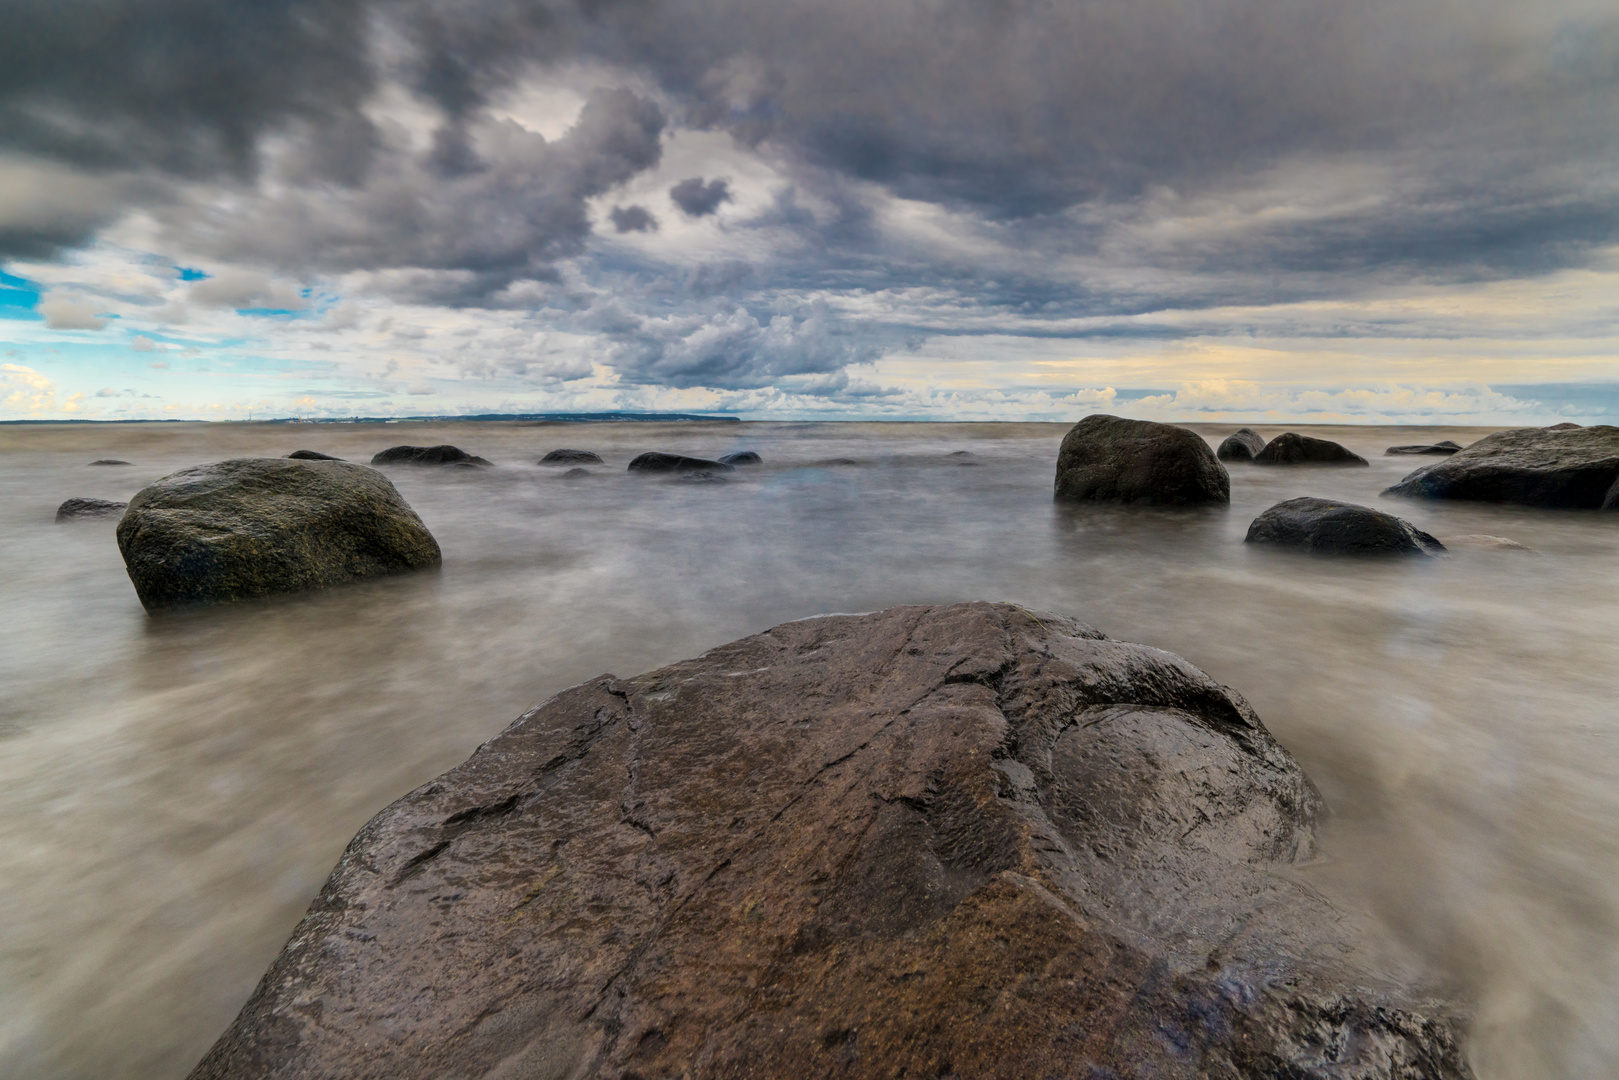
<point>1565,466</point>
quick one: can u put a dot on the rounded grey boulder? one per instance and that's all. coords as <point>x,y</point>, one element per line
<point>1241,445</point>
<point>427,455</point>
<point>255,526</point>
<point>74,509</point>
<point>654,461</point>
<point>571,457</point>
<point>1111,459</point>
<point>1291,448</point>
<point>1339,528</point>
<point>1568,467</point>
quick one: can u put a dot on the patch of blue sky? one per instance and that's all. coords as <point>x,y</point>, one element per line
<point>188,273</point>
<point>18,297</point>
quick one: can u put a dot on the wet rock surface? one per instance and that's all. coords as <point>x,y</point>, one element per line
<point>742,457</point>
<point>654,461</point>
<point>255,526</point>
<point>1443,448</point>
<point>1240,445</point>
<point>427,455</point>
<point>964,841</point>
<point>75,509</point>
<point>572,457</point>
<point>1330,527</point>
<point>109,461</point>
<point>1111,459</point>
<point>1565,466</point>
<point>1291,448</point>
<point>312,455</point>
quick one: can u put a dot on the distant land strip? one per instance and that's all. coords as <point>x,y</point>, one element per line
<point>559,417</point>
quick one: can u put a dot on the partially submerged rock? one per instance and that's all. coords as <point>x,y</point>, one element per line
<point>1339,528</point>
<point>1485,542</point>
<point>655,462</point>
<point>427,455</point>
<point>74,509</point>
<point>1442,448</point>
<point>312,455</point>
<point>1240,445</point>
<point>577,473</point>
<point>742,457</point>
<point>254,526</point>
<point>1570,467</point>
<point>572,457</point>
<point>1291,448</point>
<point>1111,459</point>
<point>109,461</point>
<point>963,841</point>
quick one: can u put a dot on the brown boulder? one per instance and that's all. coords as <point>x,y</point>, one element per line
<point>963,841</point>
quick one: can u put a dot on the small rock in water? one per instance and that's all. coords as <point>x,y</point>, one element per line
<point>1340,528</point>
<point>654,461</point>
<point>1566,466</point>
<point>571,457</point>
<point>1241,445</point>
<point>964,841</point>
<point>1291,448</point>
<point>311,455</point>
<point>1443,448</point>
<point>109,461</point>
<point>1111,459</point>
<point>75,509</point>
<point>1485,542</point>
<point>426,455</point>
<point>700,477</point>
<point>577,474</point>
<point>961,454</point>
<point>255,526</point>
<point>742,457</point>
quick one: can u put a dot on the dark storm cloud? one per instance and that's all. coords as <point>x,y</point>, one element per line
<point>697,199</point>
<point>633,219</point>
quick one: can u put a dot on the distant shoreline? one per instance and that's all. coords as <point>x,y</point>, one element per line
<point>569,417</point>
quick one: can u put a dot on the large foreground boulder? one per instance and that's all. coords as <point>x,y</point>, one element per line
<point>1339,528</point>
<point>964,841</point>
<point>253,526</point>
<point>1241,445</point>
<point>444,454</point>
<point>1111,459</point>
<point>1570,467</point>
<point>1291,448</point>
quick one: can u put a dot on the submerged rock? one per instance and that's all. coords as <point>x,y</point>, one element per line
<point>577,474</point>
<point>1442,448</point>
<point>1485,542</point>
<point>655,462</point>
<point>74,509</point>
<point>962,841</point>
<point>109,461</point>
<point>572,457</point>
<point>1291,448</point>
<point>1241,445</point>
<point>254,526</point>
<point>1111,459</point>
<point>742,457</point>
<point>311,455</point>
<point>426,455</point>
<point>1340,528</point>
<point>1572,467</point>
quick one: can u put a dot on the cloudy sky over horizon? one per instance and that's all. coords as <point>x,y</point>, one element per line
<point>1305,210</point>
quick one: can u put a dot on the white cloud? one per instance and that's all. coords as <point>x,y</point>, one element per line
<point>24,390</point>
<point>142,343</point>
<point>66,313</point>
<point>246,289</point>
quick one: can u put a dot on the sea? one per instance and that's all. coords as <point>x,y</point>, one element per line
<point>174,789</point>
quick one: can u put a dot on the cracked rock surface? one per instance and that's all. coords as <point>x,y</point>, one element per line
<point>959,841</point>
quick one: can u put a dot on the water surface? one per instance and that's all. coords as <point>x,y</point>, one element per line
<point>174,790</point>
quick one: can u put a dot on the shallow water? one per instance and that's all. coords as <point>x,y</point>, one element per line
<point>174,790</point>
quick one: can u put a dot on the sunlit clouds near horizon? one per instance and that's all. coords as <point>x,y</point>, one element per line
<point>1287,210</point>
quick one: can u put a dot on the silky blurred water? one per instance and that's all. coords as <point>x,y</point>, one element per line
<point>174,790</point>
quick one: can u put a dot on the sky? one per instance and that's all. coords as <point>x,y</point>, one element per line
<point>1310,211</point>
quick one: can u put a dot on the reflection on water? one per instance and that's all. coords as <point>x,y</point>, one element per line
<point>174,790</point>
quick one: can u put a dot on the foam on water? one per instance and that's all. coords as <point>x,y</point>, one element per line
<point>174,790</point>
